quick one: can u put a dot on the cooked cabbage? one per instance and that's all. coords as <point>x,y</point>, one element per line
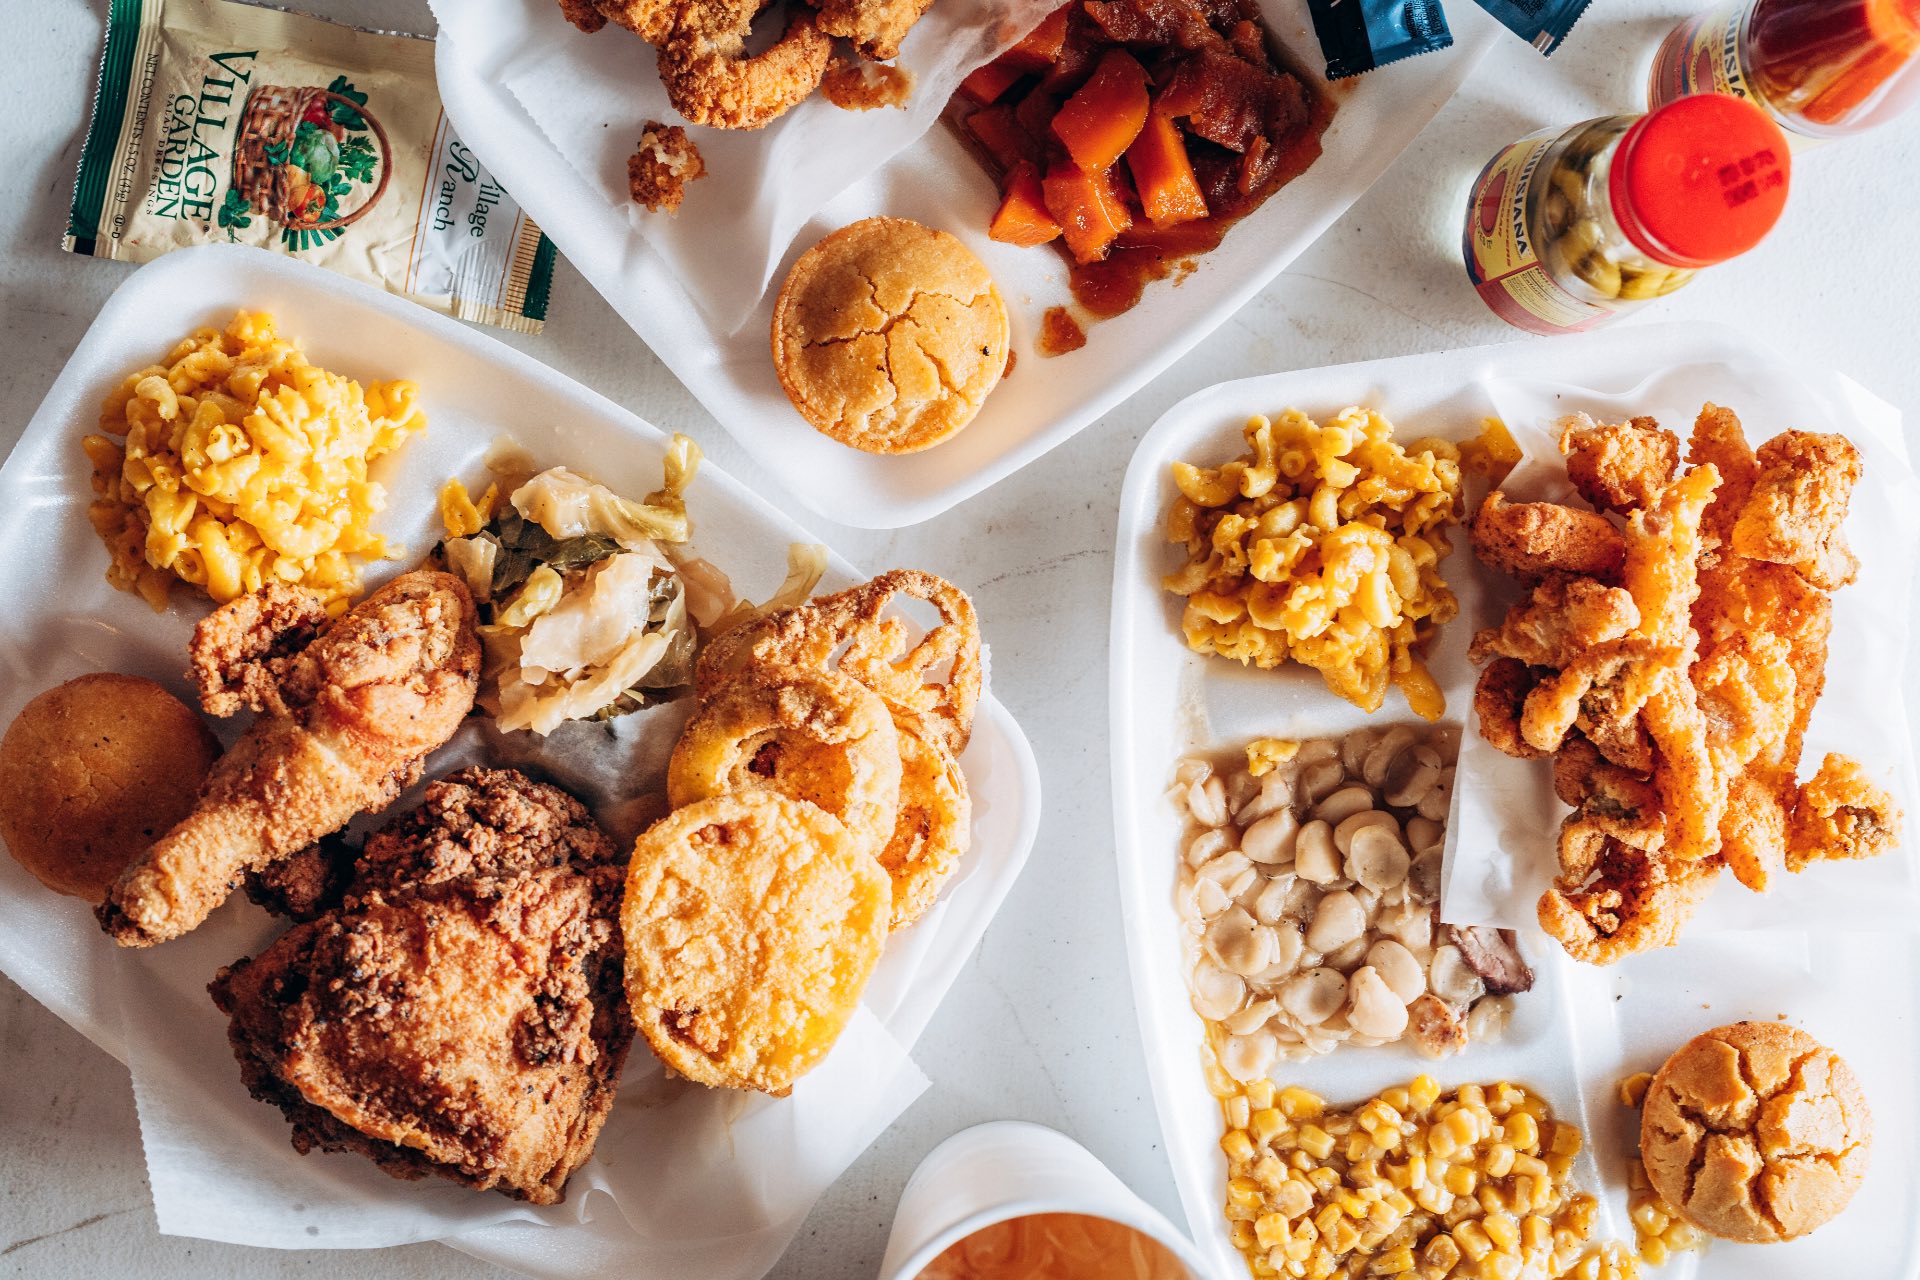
<point>567,505</point>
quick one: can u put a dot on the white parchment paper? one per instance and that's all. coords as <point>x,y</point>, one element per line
<point>1506,817</point>
<point>591,95</point>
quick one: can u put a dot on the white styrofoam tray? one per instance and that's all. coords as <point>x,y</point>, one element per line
<point>1044,401</point>
<point>1581,1029</point>
<point>66,620</point>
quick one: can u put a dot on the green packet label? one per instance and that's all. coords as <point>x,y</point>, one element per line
<point>220,121</point>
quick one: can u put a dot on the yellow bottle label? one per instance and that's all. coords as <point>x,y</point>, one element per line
<point>1702,55</point>
<point>1502,260</point>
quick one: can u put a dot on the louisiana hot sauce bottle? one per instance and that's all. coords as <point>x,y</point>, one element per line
<point>1823,68</point>
<point>1569,229</point>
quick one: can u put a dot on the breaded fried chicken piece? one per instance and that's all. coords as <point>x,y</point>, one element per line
<point>1838,814</point>
<point>583,14</point>
<point>1799,499</point>
<point>345,720</point>
<point>1499,696</point>
<point>1528,540</point>
<point>1720,441</point>
<point>1564,620</point>
<point>1619,466</point>
<point>462,1014</point>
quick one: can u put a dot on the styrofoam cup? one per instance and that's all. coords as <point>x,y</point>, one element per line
<point>1012,1169</point>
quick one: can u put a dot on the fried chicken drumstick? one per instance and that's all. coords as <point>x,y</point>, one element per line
<point>348,710</point>
<point>462,1013</point>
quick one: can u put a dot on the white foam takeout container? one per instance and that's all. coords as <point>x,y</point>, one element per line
<point>1581,1029</point>
<point>1009,1169</point>
<point>66,620</point>
<point>1044,401</point>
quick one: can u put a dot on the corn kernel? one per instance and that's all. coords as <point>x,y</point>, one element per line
<point>1654,1252</point>
<point>1422,1092</point>
<point>1465,1126</point>
<point>1522,1131</point>
<point>1682,1235</point>
<point>1588,1269</point>
<point>1242,1192</point>
<point>1460,1180</point>
<point>1399,1262</point>
<point>1491,1201</point>
<point>1315,1141</point>
<point>1237,1111</point>
<point>1260,1094</point>
<point>1441,1142</point>
<point>1299,1104</point>
<point>1242,1235</point>
<point>1358,1145</point>
<point>1501,1266</point>
<point>1472,1240</point>
<point>1500,1158</point>
<point>1399,1202</point>
<point>1345,1236</point>
<point>1293,1198</point>
<point>1503,1231</point>
<point>1530,1166</point>
<point>1434,1198</point>
<point>1323,1179</point>
<point>1269,1172</point>
<point>1535,1235</point>
<point>1441,1253</point>
<point>1396,1097</point>
<point>1238,1146</point>
<point>1560,1168</point>
<point>1633,1090</point>
<point>1271,1230</point>
<point>1566,1140</point>
<point>1266,1124</point>
<point>1326,1218</point>
<point>1648,1218</point>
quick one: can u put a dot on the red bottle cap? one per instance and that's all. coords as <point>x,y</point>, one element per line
<point>1700,180</point>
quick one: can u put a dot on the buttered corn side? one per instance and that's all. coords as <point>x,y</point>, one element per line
<point>1659,1231</point>
<point>1322,546</point>
<point>237,463</point>
<point>1474,1184</point>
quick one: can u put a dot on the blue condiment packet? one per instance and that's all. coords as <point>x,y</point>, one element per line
<point>1541,23</point>
<point>1359,35</point>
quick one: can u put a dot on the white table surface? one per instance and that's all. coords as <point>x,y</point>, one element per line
<point>1041,1025</point>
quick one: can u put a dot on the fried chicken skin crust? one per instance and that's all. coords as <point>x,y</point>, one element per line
<point>1529,540</point>
<point>346,718</point>
<point>462,1014</point>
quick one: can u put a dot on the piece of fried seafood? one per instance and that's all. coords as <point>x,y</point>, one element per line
<point>460,1012</point>
<point>348,710</point>
<point>1673,686</point>
<point>1618,466</point>
<point>1529,540</point>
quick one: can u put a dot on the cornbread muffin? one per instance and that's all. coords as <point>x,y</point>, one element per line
<point>92,772</point>
<point>1756,1132</point>
<point>888,335</point>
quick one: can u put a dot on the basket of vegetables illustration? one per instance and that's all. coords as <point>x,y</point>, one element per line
<point>302,156</point>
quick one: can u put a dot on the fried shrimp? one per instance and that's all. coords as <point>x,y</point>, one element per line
<point>712,80</point>
<point>813,735</point>
<point>752,923</point>
<point>935,821</point>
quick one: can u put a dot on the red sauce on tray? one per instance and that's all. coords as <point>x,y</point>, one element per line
<point>1132,134</point>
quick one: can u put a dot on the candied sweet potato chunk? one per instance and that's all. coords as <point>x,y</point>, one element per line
<point>1088,206</point>
<point>1023,217</point>
<point>989,83</point>
<point>1103,117</point>
<point>1040,48</point>
<point>1002,136</point>
<point>1163,175</point>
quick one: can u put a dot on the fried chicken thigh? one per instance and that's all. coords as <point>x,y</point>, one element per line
<point>463,1012</point>
<point>348,710</point>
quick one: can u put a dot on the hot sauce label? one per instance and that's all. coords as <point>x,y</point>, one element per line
<point>1702,56</point>
<point>1502,260</point>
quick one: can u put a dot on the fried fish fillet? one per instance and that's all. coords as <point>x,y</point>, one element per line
<point>462,1013</point>
<point>1528,540</point>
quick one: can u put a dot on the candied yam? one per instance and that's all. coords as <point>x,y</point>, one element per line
<point>1227,100</point>
<point>989,83</point>
<point>1035,112</point>
<point>1103,117</point>
<point>1023,217</point>
<point>1040,48</point>
<point>1002,136</point>
<point>1163,175</point>
<point>1088,206</point>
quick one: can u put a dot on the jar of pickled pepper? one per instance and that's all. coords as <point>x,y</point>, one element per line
<point>1569,229</point>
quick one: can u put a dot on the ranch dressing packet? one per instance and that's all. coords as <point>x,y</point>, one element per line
<point>217,120</point>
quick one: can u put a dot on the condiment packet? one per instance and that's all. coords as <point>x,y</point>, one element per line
<point>217,120</point>
<point>1541,23</point>
<point>1359,35</point>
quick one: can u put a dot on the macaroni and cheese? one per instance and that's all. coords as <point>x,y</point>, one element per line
<point>239,463</point>
<point>1322,546</point>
